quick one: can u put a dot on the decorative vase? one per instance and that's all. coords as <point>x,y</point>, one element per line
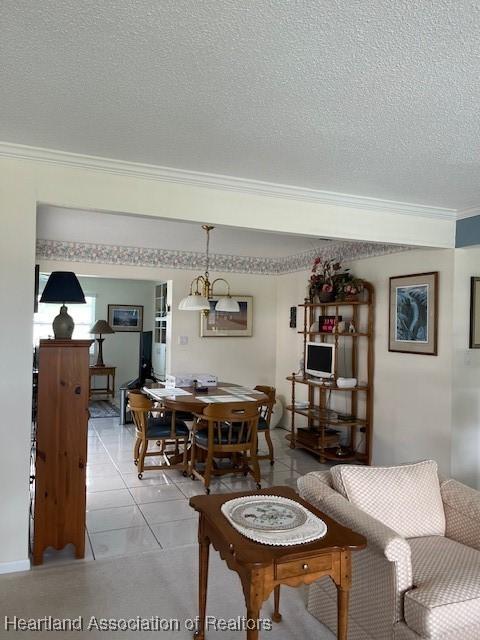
<point>63,325</point>
<point>326,296</point>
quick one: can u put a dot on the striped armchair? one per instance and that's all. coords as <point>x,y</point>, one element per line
<point>405,587</point>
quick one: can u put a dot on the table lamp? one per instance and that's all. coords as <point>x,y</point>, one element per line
<point>63,286</point>
<point>101,326</point>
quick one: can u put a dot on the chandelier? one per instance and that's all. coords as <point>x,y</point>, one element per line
<point>201,289</point>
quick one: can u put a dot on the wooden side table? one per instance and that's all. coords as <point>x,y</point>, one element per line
<point>109,373</point>
<point>263,568</point>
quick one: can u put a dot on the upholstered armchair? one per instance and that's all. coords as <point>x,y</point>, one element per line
<point>404,586</point>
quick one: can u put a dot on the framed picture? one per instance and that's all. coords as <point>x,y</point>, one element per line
<point>36,288</point>
<point>216,324</point>
<point>293,317</point>
<point>474,313</point>
<point>125,317</point>
<point>414,313</point>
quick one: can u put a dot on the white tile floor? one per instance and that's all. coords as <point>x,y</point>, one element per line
<point>126,515</point>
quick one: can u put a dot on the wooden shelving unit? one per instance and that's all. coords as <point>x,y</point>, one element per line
<point>322,415</point>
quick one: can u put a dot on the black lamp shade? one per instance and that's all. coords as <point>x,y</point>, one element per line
<point>63,286</point>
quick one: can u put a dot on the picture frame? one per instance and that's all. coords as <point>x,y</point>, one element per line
<point>293,317</point>
<point>125,317</point>
<point>225,324</point>
<point>474,340</point>
<point>36,288</point>
<point>413,314</point>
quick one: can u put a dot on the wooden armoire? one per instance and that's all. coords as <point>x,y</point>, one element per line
<point>61,446</point>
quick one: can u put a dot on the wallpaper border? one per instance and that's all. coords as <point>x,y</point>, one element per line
<point>144,257</point>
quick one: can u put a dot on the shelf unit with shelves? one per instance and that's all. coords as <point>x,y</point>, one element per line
<point>353,423</point>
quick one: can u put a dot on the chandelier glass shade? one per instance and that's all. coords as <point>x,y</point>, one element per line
<point>202,290</point>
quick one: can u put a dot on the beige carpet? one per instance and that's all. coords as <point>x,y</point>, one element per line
<point>161,583</point>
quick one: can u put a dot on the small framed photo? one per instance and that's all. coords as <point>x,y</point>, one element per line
<point>125,317</point>
<point>474,313</point>
<point>414,313</point>
<point>37,286</point>
<point>293,317</point>
<point>216,324</point>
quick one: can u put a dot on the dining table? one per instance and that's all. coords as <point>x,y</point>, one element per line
<point>192,400</point>
<point>185,401</point>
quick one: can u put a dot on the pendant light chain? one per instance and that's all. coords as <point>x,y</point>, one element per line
<point>199,300</point>
<point>207,264</point>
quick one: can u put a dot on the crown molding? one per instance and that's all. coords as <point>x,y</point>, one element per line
<point>78,252</point>
<point>471,212</point>
<point>215,181</point>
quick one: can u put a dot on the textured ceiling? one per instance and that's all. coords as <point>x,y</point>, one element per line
<point>368,97</point>
<point>56,223</point>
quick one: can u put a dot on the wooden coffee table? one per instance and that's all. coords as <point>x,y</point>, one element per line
<point>263,568</point>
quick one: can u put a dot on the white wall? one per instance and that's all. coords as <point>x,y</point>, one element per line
<point>466,378</point>
<point>248,361</point>
<point>17,255</point>
<point>120,349</point>
<point>412,393</point>
<point>412,397</point>
<point>291,291</point>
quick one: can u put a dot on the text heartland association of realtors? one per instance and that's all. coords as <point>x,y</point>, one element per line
<point>154,623</point>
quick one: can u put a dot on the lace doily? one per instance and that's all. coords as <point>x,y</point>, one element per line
<point>312,529</point>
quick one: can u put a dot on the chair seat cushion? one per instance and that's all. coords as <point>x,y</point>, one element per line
<point>446,595</point>
<point>262,424</point>
<point>201,437</point>
<point>161,427</point>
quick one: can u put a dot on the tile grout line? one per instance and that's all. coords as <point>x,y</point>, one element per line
<point>135,502</point>
<point>282,459</point>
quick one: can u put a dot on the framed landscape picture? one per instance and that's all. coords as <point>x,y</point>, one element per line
<point>474,313</point>
<point>414,313</point>
<point>217,324</point>
<point>125,317</point>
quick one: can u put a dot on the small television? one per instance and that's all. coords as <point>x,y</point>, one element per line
<point>320,359</point>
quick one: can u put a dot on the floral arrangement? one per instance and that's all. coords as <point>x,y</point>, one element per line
<point>352,287</point>
<point>323,278</point>
<point>330,281</point>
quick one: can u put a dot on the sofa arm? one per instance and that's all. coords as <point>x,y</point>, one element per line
<point>462,513</point>
<point>381,539</point>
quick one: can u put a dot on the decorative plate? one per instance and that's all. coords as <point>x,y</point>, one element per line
<point>273,520</point>
<point>266,515</point>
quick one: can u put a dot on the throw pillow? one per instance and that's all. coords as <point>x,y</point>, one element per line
<point>405,498</point>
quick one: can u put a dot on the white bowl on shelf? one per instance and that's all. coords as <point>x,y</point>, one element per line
<point>346,383</point>
<point>301,405</point>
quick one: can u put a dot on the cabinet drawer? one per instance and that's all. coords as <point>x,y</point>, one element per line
<point>301,567</point>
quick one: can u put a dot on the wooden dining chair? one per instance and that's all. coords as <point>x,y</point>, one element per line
<point>265,419</point>
<point>226,431</point>
<point>165,430</point>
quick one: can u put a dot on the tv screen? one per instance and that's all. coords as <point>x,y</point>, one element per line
<point>320,359</point>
